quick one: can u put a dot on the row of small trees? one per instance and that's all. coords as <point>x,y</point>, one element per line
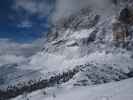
<point>32,85</point>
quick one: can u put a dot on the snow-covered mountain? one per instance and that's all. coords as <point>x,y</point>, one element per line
<point>80,51</point>
<point>83,38</point>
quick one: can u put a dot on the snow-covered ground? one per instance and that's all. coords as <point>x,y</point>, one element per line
<point>112,91</point>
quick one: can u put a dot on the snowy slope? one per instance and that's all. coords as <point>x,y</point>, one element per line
<point>113,91</point>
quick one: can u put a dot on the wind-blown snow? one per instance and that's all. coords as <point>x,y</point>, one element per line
<point>59,63</point>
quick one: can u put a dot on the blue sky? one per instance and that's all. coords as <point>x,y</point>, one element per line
<point>24,20</point>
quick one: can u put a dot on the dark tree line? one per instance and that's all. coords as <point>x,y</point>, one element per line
<point>33,85</point>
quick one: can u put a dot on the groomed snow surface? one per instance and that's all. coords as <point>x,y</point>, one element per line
<point>122,90</point>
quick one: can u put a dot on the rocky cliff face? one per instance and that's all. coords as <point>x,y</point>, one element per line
<point>85,37</point>
<point>85,29</point>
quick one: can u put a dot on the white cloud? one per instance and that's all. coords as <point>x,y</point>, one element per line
<point>25,49</point>
<point>12,52</point>
<point>28,9</point>
<point>33,7</point>
<point>25,24</point>
<point>65,8</point>
<point>10,59</point>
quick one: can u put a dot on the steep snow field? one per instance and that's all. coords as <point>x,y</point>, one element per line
<point>112,91</point>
